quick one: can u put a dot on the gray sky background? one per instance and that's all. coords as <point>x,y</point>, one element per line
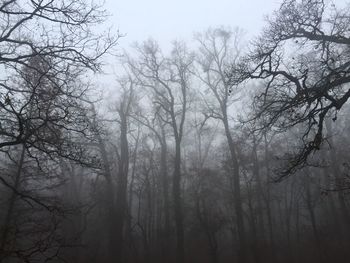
<point>166,20</point>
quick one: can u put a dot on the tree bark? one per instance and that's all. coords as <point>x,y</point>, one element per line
<point>11,205</point>
<point>165,193</point>
<point>121,195</point>
<point>236,193</point>
<point>180,246</point>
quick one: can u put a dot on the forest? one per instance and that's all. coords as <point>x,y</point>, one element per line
<point>220,149</point>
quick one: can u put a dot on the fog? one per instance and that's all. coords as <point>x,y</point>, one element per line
<point>153,131</point>
<point>169,20</point>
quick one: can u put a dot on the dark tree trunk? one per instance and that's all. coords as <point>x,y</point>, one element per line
<point>110,194</point>
<point>166,204</point>
<point>121,195</point>
<point>11,205</point>
<point>267,199</point>
<point>236,193</point>
<point>180,247</point>
<point>260,193</point>
<point>344,210</point>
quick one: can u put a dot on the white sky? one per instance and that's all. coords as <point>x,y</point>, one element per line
<point>167,20</point>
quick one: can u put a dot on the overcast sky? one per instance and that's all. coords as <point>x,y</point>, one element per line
<point>166,20</point>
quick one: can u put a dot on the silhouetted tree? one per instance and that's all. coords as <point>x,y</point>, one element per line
<point>217,49</point>
<point>303,59</point>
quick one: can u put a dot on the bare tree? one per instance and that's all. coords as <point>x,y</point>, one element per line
<point>124,108</point>
<point>43,117</point>
<point>303,59</point>
<point>168,79</point>
<point>217,49</point>
<point>45,47</point>
<point>158,128</point>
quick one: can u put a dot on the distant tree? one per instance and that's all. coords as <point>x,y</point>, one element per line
<point>158,129</point>
<point>303,58</point>
<point>208,209</point>
<point>168,78</point>
<point>219,48</point>
<point>124,108</point>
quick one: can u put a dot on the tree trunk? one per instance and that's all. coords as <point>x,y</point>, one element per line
<point>311,209</point>
<point>121,195</point>
<point>260,192</point>
<point>236,194</point>
<point>11,206</point>
<point>166,203</point>
<point>344,211</point>
<point>180,247</point>
<point>267,200</point>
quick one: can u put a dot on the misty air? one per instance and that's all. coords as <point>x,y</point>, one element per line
<point>175,131</point>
